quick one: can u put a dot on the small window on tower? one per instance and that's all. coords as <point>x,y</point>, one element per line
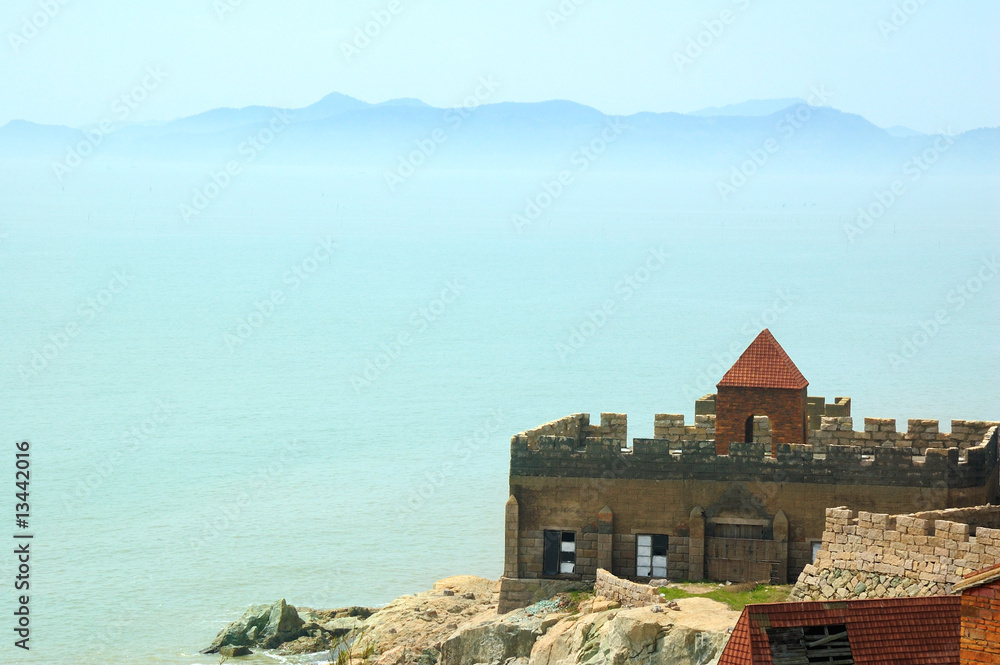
<point>650,555</point>
<point>559,555</point>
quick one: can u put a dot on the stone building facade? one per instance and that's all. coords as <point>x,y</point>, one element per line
<point>748,504</point>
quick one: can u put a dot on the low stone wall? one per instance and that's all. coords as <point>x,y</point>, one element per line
<point>628,594</point>
<point>517,593</point>
<point>887,556</point>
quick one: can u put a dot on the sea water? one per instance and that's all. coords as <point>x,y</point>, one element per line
<point>312,399</point>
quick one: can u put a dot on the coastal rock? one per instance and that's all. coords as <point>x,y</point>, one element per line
<point>262,626</point>
<point>492,639</point>
<point>230,651</point>
<point>693,635</point>
<point>403,629</point>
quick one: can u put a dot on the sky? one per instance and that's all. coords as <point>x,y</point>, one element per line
<point>926,64</point>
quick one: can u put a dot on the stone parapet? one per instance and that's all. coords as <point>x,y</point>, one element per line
<point>571,453</point>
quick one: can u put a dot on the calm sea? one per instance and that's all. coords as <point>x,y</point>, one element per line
<point>308,394</point>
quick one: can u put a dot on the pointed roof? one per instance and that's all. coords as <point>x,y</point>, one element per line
<point>764,365</point>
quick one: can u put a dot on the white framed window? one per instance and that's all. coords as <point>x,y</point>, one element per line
<point>651,555</point>
<point>559,553</point>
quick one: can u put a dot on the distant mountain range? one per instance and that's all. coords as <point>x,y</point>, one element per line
<point>342,131</point>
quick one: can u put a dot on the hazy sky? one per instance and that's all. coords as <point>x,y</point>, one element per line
<point>932,65</point>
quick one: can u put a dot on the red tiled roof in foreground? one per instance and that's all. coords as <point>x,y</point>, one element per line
<point>764,365</point>
<point>910,631</point>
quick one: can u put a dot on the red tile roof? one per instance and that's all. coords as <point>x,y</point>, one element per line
<point>764,365</point>
<point>914,631</point>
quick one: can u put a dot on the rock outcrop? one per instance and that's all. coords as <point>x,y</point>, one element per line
<point>457,623</point>
<point>693,635</point>
<point>262,626</point>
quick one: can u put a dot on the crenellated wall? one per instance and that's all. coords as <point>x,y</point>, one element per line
<point>919,436</point>
<point>876,555</point>
<point>920,457</point>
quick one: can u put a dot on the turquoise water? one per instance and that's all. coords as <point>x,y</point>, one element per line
<point>226,430</point>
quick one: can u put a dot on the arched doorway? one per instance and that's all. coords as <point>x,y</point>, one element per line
<point>757,429</point>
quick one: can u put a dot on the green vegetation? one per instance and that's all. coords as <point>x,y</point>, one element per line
<point>577,597</point>
<point>736,597</point>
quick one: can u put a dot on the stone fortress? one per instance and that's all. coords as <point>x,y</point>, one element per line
<point>740,495</point>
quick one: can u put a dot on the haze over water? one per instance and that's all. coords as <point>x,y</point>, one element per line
<point>270,341</point>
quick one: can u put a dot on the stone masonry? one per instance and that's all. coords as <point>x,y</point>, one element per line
<point>626,593</point>
<point>876,555</point>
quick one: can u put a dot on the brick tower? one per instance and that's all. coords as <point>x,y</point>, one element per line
<point>763,382</point>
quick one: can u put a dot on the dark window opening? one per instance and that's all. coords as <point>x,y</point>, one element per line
<point>748,430</point>
<point>559,553</point>
<point>810,645</point>
<point>651,555</point>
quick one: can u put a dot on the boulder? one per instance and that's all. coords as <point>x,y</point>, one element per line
<point>230,651</point>
<point>262,626</point>
<point>492,639</point>
<point>694,635</point>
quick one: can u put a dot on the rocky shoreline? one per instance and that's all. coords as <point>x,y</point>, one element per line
<point>456,623</point>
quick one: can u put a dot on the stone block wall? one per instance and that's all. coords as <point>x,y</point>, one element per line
<point>816,408</point>
<point>575,430</point>
<point>626,593</point>
<point>517,593</point>
<point>920,434</point>
<point>671,427</point>
<point>876,555</point>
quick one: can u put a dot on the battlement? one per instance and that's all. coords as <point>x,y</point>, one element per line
<point>922,456</point>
